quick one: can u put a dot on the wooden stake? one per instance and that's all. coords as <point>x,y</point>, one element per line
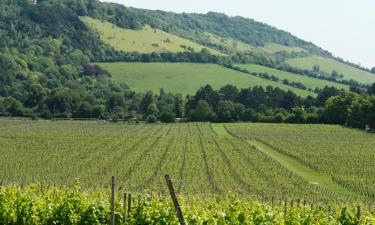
<point>129,205</point>
<point>174,199</point>
<point>285,208</point>
<point>358,213</point>
<point>113,200</point>
<point>124,206</point>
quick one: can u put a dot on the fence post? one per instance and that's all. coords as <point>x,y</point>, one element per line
<point>129,205</point>
<point>369,207</point>
<point>285,207</point>
<point>113,201</point>
<point>174,199</point>
<point>125,206</point>
<point>358,213</point>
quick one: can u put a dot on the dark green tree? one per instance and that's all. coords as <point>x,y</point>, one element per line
<point>166,114</point>
<point>225,111</point>
<point>202,112</point>
<point>228,92</point>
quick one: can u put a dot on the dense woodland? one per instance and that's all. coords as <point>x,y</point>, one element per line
<point>45,70</point>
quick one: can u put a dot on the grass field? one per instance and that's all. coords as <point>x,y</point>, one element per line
<point>185,78</point>
<point>201,157</point>
<point>307,81</point>
<point>328,65</point>
<point>147,40</point>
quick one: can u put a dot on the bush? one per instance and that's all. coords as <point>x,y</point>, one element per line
<point>151,119</point>
<point>168,117</point>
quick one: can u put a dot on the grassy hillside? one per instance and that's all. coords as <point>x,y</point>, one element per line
<point>184,78</point>
<point>229,43</point>
<point>307,81</point>
<point>146,40</point>
<point>273,48</point>
<point>328,65</point>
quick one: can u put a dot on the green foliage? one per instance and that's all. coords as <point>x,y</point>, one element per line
<point>167,115</point>
<point>75,207</point>
<point>151,119</point>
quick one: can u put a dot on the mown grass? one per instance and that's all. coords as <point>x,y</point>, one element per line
<point>147,40</point>
<point>307,81</point>
<point>185,78</point>
<point>328,65</point>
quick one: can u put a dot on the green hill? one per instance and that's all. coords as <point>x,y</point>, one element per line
<point>145,40</point>
<point>185,78</point>
<point>310,83</point>
<point>328,65</point>
<point>47,52</point>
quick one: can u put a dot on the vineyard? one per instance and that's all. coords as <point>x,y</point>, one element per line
<point>223,174</point>
<point>37,206</point>
<point>347,155</point>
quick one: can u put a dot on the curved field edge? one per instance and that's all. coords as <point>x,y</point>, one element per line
<point>185,78</point>
<point>293,165</point>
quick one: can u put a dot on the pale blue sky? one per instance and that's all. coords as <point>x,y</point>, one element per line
<point>344,27</point>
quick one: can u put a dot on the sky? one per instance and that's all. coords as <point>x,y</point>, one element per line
<point>344,27</point>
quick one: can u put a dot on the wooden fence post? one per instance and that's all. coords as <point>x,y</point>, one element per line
<point>124,206</point>
<point>285,207</point>
<point>129,205</point>
<point>113,201</point>
<point>358,213</point>
<point>174,199</point>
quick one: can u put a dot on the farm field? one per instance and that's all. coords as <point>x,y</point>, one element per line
<point>185,78</point>
<point>346,155</point>
<point>147,40</point>
<point>328,65</point>
<point>202,157</point>
<point>307,81</point>
<point>58,153</point>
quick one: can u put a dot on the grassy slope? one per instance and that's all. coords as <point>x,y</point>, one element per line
<point>147,40</point>
<point>307,81</point>
<point>273,48</point>
<point>234,45</point>
<point>328,65</point>
<point>184,78</point>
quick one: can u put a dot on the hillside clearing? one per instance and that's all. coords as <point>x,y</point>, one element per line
<point>328,65</point>
<point>309,82</point>
<point>185,78</point>
<point>147,40</point>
